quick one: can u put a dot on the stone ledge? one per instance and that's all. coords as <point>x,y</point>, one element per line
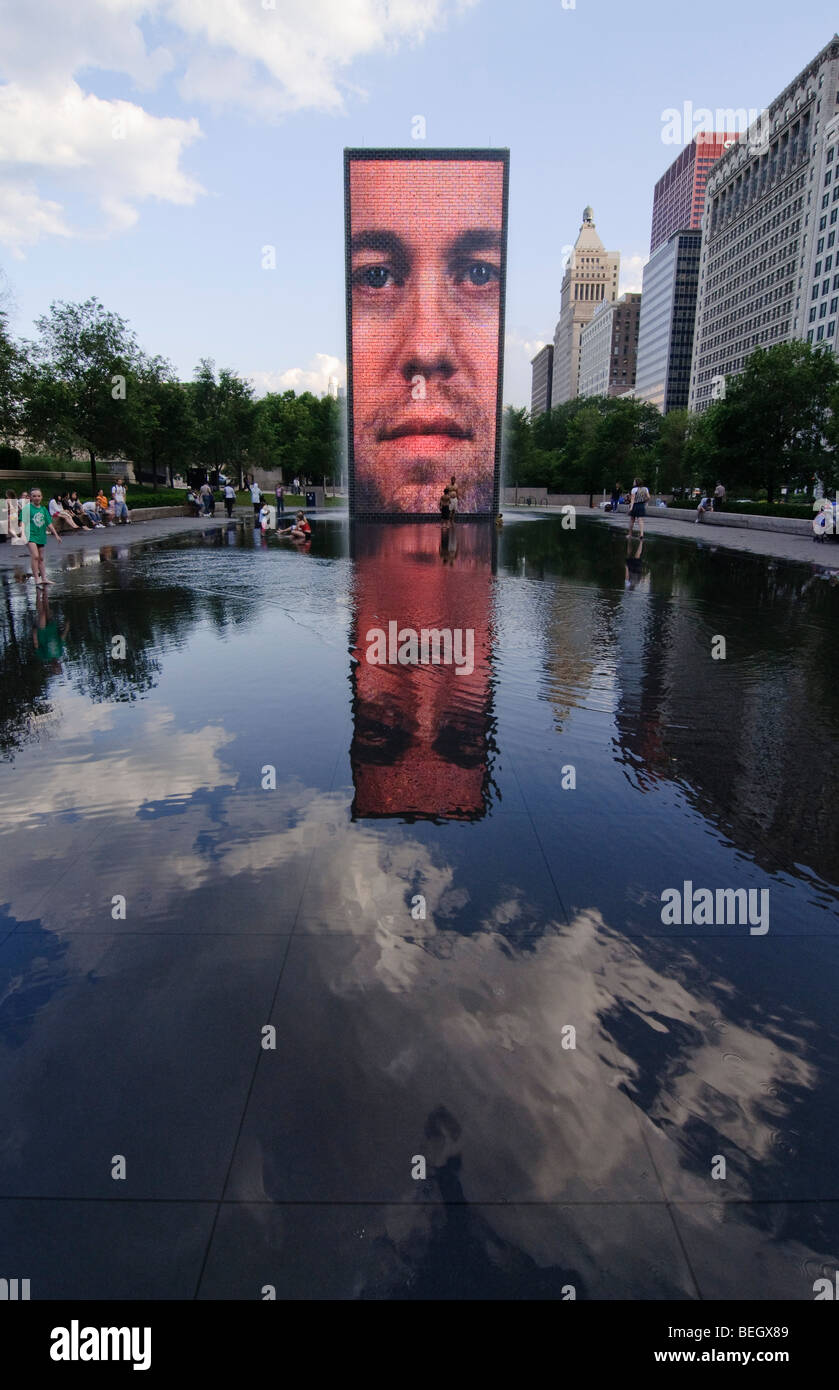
<point>790,525</point>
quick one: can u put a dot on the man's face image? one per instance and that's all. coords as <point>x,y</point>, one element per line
<point>426,269</point>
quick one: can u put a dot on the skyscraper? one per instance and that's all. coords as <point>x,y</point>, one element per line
<point>821,278</point>
<point>668,310</point>
<point>769,204</point>
<point>608,347</point>
<point>679,195</point>
<point>542,366</point>
<point>591,276</point>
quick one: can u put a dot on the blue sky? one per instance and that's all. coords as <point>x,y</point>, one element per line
<point>235,114</point>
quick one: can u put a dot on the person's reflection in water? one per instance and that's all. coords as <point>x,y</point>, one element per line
<point>448,542</point>
<point>462,1255</point>
<point>633,564</point>
<point>47,638</point>
<point>422,729</point>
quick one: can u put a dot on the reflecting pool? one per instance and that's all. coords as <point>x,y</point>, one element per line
<point>332,966</point>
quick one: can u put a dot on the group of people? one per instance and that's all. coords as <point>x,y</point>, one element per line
<point>640,496</point>
<point>67,510</point>
<point>31,519</point>
<point>710,502</point>
<point>203,503</point>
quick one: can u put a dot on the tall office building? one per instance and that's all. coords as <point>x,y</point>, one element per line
<point>679,195</point>
<point>591,276</point>
<point>608,348</point>
<point>821,278</point>
<point>768,205</point>
<point>668,311</point>
<point>542,366</point>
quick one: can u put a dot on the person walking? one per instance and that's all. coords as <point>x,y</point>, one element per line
<point>453,498</point>
<point>639,498</point>
<point>256,498</point>
<point>279,493</point>
<point>121,512</point>
<point>616,496</point>
<point>38,526</point>
<point>229,499</point>
<point>719,497</point>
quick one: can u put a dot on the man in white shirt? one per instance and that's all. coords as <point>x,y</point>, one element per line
<point>120,505</point>
<point>229,498</point>
<point>256,498</point>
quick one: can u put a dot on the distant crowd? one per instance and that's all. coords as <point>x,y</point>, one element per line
<point>68,512</point>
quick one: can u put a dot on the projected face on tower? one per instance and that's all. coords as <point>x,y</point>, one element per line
<point>426,268</point>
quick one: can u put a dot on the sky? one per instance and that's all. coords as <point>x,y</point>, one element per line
<point>150,150</point>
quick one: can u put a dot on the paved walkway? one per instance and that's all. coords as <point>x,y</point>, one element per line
<point>12,556</point>
<point>16,556</point>
<point>778,545</point>
<point>774,544</point>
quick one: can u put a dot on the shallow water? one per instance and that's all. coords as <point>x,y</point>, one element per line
<point>446,898</point>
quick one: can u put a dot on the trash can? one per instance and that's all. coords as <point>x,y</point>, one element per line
<point>310,499</point>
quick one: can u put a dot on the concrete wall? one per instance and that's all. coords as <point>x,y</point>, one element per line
<point>539,497</point>
<point>105,472</point>
<point>152,513</point>
<point>790,525</point>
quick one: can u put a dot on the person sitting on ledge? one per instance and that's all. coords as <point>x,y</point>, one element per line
<point>705,505</point>
<point>59,513</point>
<point>106,515</point>
<point>73,505</point>
<point>91,511</point>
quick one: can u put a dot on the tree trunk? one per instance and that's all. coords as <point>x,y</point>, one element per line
<point>154,468</point>
<point>93,471</point>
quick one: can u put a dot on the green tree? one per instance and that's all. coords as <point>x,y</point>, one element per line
<point>670,458</point>
<point>584,467</point>
<point>772,425</point>
<point>160,418</point>
<point>77,392</point>
<point>12,375</point>
<point>224,412</point>
<point>516,447</point>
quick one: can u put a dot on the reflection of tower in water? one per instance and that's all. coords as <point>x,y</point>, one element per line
<point>422,729</point>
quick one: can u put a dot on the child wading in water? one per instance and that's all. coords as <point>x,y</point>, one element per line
<point>38,528</point>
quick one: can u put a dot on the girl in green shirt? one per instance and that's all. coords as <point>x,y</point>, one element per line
<point>38,526</point>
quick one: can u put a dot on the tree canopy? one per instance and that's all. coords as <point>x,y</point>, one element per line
<point>777,425</point>
<point>84,385</point>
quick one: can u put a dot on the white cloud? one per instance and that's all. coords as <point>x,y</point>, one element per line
<point>269,61</point>
<point>316,378</point>
<point>632,268</point>
<point>112,151</point>
<point>290,57</point>
<point>25,217</point>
